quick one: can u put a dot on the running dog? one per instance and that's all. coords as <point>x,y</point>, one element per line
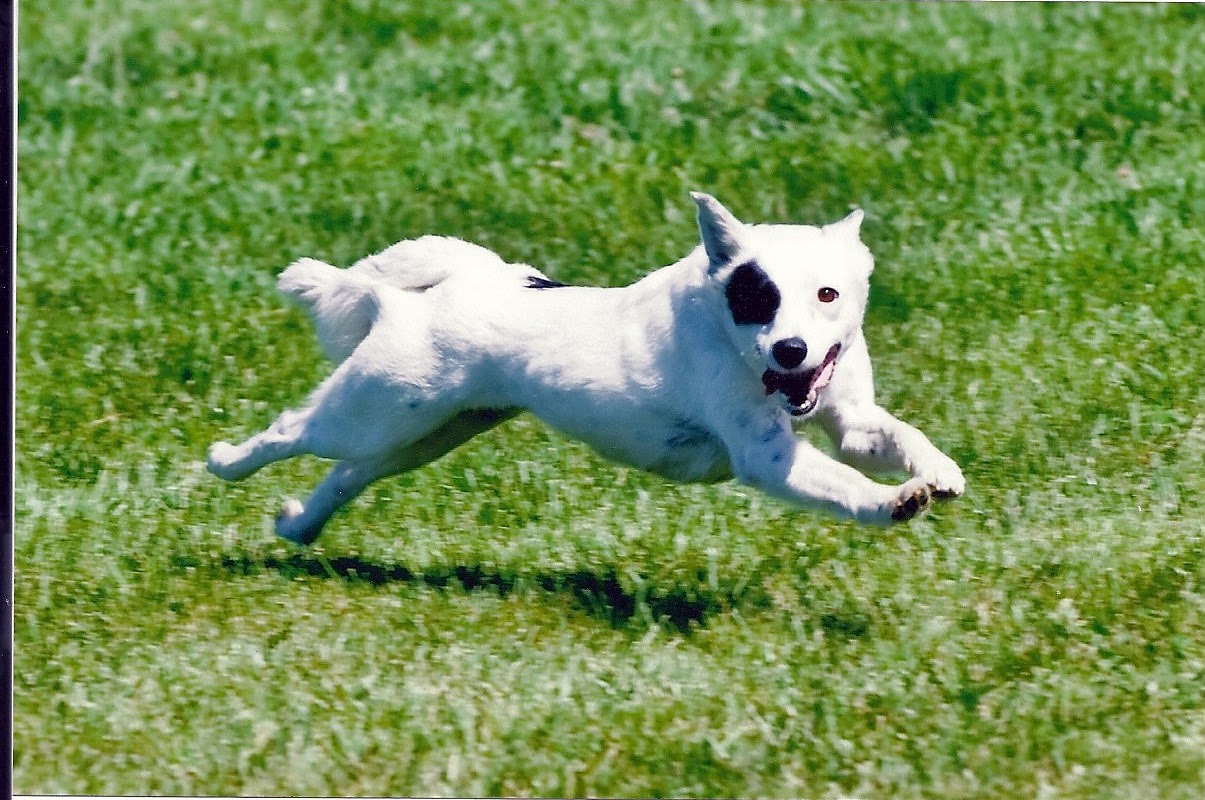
<point>695,372</point>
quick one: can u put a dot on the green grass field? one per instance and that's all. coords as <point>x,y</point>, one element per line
<point>523,618</point>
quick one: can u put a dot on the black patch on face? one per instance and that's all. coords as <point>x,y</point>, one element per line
<point>537,282</point>
<point>753,298</point>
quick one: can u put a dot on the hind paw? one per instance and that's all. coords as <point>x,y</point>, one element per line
<point>289,524</point>
<point>224,462</point>
<point>290,509</point>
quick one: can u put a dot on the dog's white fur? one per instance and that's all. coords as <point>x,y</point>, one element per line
<point>437,340</point>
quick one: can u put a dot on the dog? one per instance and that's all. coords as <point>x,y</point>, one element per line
<point>696,372</point>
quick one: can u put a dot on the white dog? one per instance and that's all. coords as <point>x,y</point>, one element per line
<point>695,372</point>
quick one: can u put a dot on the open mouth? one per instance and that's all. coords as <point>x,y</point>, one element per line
<point>802,389</point>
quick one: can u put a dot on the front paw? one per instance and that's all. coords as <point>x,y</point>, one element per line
<point>913,497</point>
<point>943,476</point>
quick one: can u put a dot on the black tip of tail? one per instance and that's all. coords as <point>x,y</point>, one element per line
<point>537,282</point>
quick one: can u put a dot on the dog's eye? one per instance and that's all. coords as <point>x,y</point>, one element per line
<point>827,294</point>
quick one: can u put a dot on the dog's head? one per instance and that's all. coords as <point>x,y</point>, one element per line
<point>794,296</point>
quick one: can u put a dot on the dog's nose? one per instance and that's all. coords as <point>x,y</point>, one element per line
<point>790,353</point>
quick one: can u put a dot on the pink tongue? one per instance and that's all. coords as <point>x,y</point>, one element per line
<point>826,375</point>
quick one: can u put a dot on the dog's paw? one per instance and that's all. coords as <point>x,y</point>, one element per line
<point>223,461</point>
<point>913,497</point>
<point>290,509</point>
<point>943,476</point>
<point>289,524</point>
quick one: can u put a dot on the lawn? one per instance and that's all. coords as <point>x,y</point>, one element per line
<point>522,617</point>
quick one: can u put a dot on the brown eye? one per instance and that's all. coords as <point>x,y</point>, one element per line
<point>827,294</point>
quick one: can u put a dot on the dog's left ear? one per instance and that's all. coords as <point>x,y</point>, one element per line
<point>721,232</point>
<point>849,226</point>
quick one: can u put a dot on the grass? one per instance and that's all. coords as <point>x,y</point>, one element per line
<point>523,618</point>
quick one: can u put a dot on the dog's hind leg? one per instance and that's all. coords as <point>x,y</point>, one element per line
<point>301,523</point>
<point>350,417</point>
<point>283,439</point>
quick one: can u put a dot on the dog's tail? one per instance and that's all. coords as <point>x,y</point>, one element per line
<point>344,305</point>
<point>345,302</point>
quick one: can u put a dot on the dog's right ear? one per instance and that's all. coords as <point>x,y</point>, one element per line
<point>721,232</point>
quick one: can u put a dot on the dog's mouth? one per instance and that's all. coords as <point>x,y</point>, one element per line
<point>802,389</point>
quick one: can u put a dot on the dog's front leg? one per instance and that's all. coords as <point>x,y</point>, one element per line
<point>769,456</point>
<point>869,437</point>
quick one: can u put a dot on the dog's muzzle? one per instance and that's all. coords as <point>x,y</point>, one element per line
<point>802,389</point>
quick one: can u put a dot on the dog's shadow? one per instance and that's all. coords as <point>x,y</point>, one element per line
<point>601,594</point>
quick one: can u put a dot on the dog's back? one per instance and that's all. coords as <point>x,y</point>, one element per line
<point>344,303</point>
<point>416,265</point>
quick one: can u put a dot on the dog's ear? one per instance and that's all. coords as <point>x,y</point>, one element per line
<point>847,230</point>
<point>721,232</point>
<point>849,226</point>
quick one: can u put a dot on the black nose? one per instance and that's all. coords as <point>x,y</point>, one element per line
<point>790,353</point>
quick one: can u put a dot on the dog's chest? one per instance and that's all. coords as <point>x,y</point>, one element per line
<point>673,447</point>
<point>685,451</point>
